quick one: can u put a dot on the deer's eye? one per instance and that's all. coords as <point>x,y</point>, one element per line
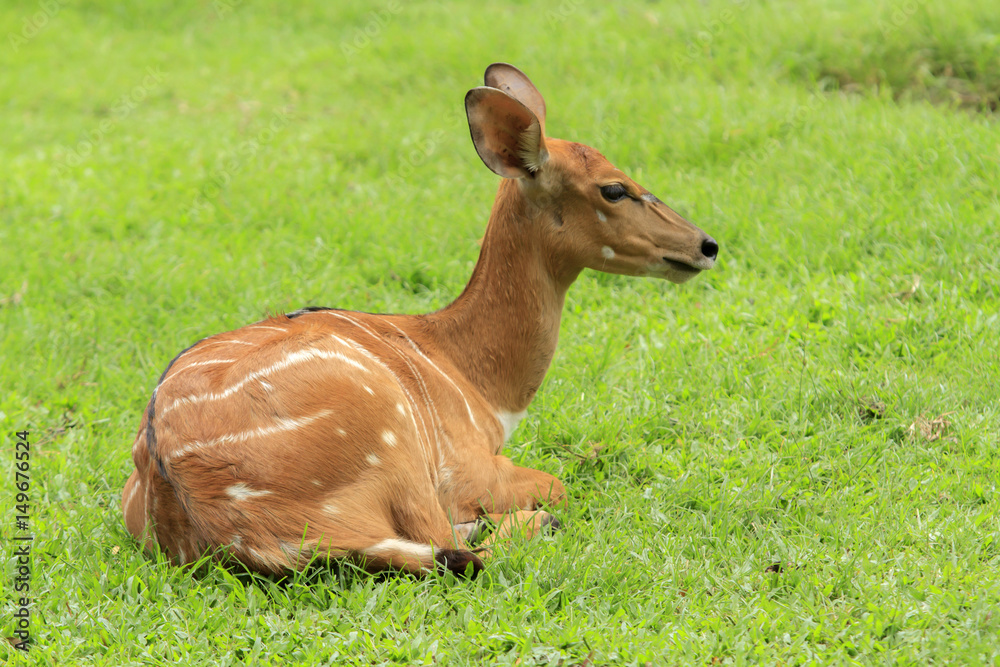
<point>614,192</point>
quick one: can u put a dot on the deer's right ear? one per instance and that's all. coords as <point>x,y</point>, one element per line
<point>507,135</point>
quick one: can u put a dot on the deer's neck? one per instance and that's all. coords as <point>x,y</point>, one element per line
<point>502,330</point>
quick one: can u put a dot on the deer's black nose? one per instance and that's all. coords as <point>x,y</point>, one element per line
<point>709,248</point>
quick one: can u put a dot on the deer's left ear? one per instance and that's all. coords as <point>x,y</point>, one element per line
<point>516,83</point>
<point>506,133</point>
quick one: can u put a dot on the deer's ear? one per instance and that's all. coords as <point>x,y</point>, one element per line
<point>507,135</point>
<point>515,83</point>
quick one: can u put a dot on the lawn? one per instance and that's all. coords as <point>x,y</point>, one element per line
<point>792,459</point>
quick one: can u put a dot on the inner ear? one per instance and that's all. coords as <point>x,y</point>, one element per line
<point>506,134</point>
<point>515,83</point>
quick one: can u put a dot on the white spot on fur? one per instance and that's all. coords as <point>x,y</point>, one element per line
<point>241,491</point>
<point>237,541</point>
<point>601,216</point>
<point>509,421</point>
<point>389,438</point>
<point>368,389</point>
<point>418,420</point>
<point>444,478</point>
<point>372,460</point>
<point>317,482</point>
<point>331,510</point>
<point>607,253</point>
<point>401,408</point>
<point>341,431</point>
<point>266,385</point>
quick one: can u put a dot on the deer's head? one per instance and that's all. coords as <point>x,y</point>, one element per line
<point>595,216</point>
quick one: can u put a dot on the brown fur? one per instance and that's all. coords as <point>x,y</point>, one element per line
<point>352,435</point>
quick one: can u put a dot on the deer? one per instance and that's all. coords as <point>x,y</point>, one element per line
<point>376,439</point>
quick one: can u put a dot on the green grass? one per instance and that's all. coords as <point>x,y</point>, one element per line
<point>826,399</point>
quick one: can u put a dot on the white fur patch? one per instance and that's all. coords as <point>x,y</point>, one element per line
<point>601,216</point>
<point>391,547</point>
<point>528,145</point>
<point>607,253</point>
<point>372,460</point>
<point>509,421</point>
<point>389,438</point>
<point>241,491</point>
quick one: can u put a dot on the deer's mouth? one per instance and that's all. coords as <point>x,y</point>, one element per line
<point>681,267</point>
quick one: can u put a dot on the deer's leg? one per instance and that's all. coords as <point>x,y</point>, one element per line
<point>510,506</point>
<point>520,523</point>
<point>517,488</point>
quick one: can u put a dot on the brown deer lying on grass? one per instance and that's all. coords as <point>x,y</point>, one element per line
<point>334,434</point>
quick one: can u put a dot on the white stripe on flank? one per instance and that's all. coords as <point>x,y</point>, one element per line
<point>292,358</point>
<point>423,356</point>
<point>241,491</point>
<point>418,419</point>
<point>392,547</point>
<point>424,394</point>
<point>264,326</point>
<point>207,362</point>
<point>224,342</point>
<point>131,494</point>
<point>284,424</point>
